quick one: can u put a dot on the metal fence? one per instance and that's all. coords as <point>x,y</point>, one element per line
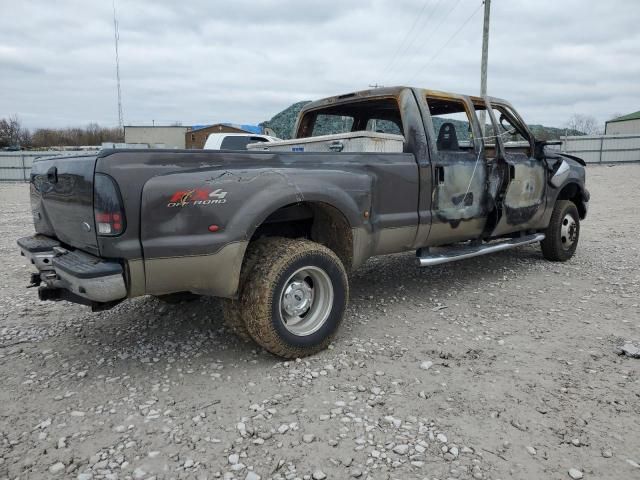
<point>603,148</point>
<point>16,166</point>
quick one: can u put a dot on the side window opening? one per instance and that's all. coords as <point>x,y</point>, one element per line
<point>508,128</point>
<point>451,124</point>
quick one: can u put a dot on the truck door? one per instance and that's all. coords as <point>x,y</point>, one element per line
<point>459,172</point>
<point>521,197</point>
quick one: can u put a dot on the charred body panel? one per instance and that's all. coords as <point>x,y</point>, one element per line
<point>525,194</point>
<point>460,205</point>
<point>521,201</point>
<point>524,198</point>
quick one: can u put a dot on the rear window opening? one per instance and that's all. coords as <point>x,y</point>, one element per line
<point>380,115</point>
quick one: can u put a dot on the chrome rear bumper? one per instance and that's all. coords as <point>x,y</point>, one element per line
<point>82,275</point>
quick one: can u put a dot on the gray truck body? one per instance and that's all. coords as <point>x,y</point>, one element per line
<point>190,214</point>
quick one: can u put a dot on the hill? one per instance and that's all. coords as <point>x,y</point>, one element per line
<point>283,123</point>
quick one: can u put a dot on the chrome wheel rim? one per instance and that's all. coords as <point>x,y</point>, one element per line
<point>306,301</point>
<point>568,231</point>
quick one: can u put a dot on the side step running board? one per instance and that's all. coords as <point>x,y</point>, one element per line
<point>452,254</point>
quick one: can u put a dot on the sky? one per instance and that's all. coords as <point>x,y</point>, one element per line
<point>207,61</point>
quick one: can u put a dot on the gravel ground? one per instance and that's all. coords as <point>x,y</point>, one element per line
<point>498,367</point>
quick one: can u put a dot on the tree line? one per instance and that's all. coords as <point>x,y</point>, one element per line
<point>14,135</point>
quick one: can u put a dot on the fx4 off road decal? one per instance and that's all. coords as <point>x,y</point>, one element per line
<point>197,196</point>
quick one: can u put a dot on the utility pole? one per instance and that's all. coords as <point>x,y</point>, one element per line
<point>485,58</point>
<point>116,35</point>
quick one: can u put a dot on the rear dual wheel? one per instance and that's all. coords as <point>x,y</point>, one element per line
<point>292,296</point>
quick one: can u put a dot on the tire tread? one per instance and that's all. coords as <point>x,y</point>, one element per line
<point>231,307</point>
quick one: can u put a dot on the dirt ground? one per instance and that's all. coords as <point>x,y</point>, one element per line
<point>498,367</point>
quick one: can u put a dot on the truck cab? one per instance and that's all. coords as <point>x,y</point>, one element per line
<point>481,173</point>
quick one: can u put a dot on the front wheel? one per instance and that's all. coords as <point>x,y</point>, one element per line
<point>563,232</point>
<point>294,298</point>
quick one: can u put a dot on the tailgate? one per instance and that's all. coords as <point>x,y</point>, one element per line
<point>62,200</point>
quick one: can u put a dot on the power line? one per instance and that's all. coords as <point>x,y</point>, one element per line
<point>409,45</point>
<point>116,34</point>
<point>432,32</point>
<point>435,55</point>
<point>395,54</point>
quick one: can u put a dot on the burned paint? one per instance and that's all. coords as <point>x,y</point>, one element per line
<point>525,194</point>
<point>466,199</point>
<point>462,181</point>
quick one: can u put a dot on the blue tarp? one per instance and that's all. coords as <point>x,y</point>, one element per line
<point>251,128</point>
<point>246,127</point>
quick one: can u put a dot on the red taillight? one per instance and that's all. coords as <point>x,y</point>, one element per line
<point>107,206</point>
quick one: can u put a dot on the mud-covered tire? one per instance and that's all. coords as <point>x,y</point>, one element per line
<point>563,232</point>
<point>279,270</point>
<point>232,308</point>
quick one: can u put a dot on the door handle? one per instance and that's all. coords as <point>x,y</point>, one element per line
<point>439,173</point>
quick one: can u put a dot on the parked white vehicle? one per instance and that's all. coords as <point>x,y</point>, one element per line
<point>235,141</point>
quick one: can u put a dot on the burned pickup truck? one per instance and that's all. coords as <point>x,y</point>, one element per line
<point>275,230</point>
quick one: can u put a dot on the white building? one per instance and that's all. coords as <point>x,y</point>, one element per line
<point>625,125</point>
<point>170,137</point>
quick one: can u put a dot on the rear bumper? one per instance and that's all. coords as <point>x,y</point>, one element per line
<point>72,274</point>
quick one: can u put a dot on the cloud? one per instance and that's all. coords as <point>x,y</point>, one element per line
<point>243,61</point>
